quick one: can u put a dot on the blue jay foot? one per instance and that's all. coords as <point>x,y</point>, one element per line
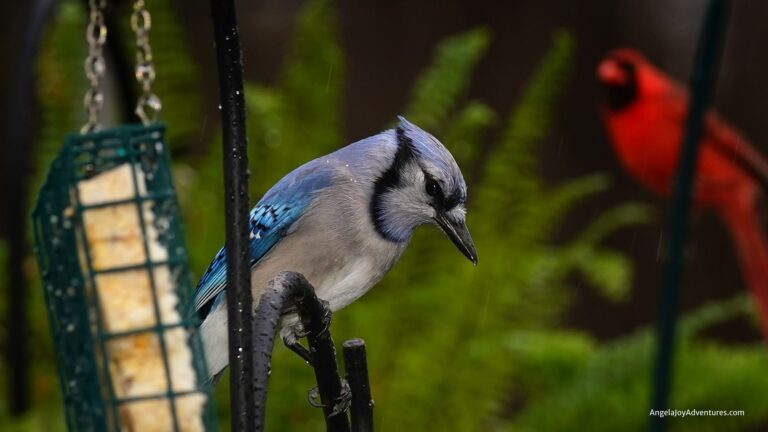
<point>293,333</point>
<point>340,405</point>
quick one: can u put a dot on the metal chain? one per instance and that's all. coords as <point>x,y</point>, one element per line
<point>149,105</point>
<point>95,66</point>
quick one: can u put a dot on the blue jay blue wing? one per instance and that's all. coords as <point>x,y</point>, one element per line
<point>283,205</point>
<point>268,223</point>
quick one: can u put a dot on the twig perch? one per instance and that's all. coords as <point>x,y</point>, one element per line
<point>293,288</point>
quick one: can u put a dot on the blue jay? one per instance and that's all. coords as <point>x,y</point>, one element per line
<point>342,221</point>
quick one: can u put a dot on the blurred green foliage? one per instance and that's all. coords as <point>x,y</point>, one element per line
<point>606,387</point>
<point>451,347</point>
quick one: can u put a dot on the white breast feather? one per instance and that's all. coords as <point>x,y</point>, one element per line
<point>347,285</point>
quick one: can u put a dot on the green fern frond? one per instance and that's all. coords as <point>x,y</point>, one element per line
<point>437,90</point>
<point>464,133</point>
<point>312,80</point>
<point>631,213</point>
<point>531,119</point>
<point>301,113</point>
<point>714,313</point>
<point>537,219</point>
<point>608,271</point>
<point>527,124</point>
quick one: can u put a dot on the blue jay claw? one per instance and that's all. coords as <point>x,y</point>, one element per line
<point>299,331</point>
<point>292,333</point>
<point>313,397</point>
<point>327,314</point>
<point>341,404</point>
<point>292,342</point>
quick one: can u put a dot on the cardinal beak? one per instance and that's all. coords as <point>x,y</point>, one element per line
<point>609,72</point>
<point>459,234</point>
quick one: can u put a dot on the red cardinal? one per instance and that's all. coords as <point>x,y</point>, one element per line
<point>644,112</point>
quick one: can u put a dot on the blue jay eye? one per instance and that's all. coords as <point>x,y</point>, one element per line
<point>433,189</point>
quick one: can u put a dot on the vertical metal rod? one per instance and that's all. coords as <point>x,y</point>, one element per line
<point>701,89</point>
<point>356,364</point>
<point>239,297</point>
<point>15,169</point>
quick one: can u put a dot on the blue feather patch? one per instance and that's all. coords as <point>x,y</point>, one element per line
<point>280,208</point>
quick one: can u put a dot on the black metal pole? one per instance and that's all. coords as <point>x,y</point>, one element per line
<point>701,89</point>
<point>287,288</point>
<point>239,297</point>
<point>356,364</point>
<point>16,175</point>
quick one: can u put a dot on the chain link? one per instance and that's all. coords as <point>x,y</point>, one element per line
<point>149,105</point>
<point>94,65</point>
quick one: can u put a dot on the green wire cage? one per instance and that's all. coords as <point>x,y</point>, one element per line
<point>116,281</point>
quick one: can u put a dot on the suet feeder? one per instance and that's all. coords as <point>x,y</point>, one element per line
<point>115,274</point>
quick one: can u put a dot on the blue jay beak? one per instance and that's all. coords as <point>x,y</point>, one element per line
<point>459,235</point>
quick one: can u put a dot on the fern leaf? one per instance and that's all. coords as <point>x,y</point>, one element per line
<point>436,92</point>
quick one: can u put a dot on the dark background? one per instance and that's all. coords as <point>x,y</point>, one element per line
<point>387,42</point>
